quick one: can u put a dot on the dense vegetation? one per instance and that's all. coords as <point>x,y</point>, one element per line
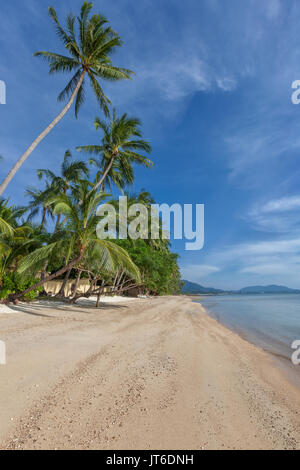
<point>54,235</point>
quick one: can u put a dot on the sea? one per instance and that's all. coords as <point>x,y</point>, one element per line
<point>270,321</point>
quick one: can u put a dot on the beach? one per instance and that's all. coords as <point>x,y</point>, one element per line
<point>141,374</point>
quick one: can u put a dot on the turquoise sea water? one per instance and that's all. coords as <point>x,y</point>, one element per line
<point>269,321</point>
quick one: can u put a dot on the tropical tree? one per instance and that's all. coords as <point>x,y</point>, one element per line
<point>40,202</point>
<point>161,242</point>
<point>116,176</point>
<point>5,227</point>
<point>89,47</point>
<point>80,240</point>
<point>159,268</point>
<point>9,217</point>
<point>17,240</point>
<point>71,172</point>
<point>120,148</point>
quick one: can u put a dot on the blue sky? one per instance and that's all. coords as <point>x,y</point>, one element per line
<point>213,89</point>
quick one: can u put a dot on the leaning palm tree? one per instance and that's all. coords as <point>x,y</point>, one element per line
<point>89,52</point>
<point>121,143</point>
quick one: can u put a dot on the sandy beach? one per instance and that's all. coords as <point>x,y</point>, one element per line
<point>146,374</point>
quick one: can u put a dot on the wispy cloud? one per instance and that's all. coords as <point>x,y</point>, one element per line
<point>277,215</point>
<point>257,262</point>
<point>282,205</point>
<point>198,272</point>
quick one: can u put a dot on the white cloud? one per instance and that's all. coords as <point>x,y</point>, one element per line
<point>198,272</point>
<point>226,83</point>
<point>273,269</point>
<point>282,205</point>
<point>276,215</point>
<point>260,262</point>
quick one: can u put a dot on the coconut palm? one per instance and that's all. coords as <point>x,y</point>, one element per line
<point>17,238</point>
<point>8,217</point>
<point>5,227</point>
<point>82,241</point>
<point>162,241</point>
<point>121,143</point>
<point>40,202</point>
<point>71,172</point>
<point>89,50</point>
<point>115,177</point>
<point>13,248</point>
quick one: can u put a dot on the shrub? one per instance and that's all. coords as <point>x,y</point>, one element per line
<point>13,283</point>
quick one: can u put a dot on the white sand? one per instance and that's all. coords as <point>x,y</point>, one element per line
<point>56,304</point>
<point>150,374</point>
<point>5,309</point>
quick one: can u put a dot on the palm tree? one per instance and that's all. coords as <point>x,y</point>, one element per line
<point>5,227</point>
<point>89,52</point>
<point>116,176</point>
<point>146,199</point>
<point>16,238</point>
<point>82,241</point>
<point>40,201</point>
<point>71,172</point>
<point>8,217</point>
<point>121,142</point>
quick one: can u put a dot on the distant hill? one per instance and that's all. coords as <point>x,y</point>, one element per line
<point>273,289</point>
<point>194,288</point>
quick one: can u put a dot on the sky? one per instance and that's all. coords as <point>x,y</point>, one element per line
<point>212,87</point>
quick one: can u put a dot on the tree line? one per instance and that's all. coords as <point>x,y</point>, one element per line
<point>63,243</point>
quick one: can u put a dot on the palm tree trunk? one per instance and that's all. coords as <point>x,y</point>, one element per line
<point>98,299</point>
<point>35,143</point>
<point>44,217</point>
<point>99,294</point>
<point>43,273</point>
<point>63,286</point>
<point>57,222</point>
<point>77,282</point>
<point>100,183</point>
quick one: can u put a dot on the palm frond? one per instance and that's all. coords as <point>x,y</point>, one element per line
<point>36,259</point>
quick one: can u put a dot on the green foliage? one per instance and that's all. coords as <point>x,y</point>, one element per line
<point>89,42</point>
<point>159,268</point>
<point>71,199</point>
<point>120,148</point>
<point>13,283</point>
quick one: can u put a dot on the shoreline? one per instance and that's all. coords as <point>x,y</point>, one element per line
<point>146,374</point>
<point>283,362</point>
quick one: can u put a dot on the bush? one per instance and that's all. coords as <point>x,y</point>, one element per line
<point>13,283</point>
